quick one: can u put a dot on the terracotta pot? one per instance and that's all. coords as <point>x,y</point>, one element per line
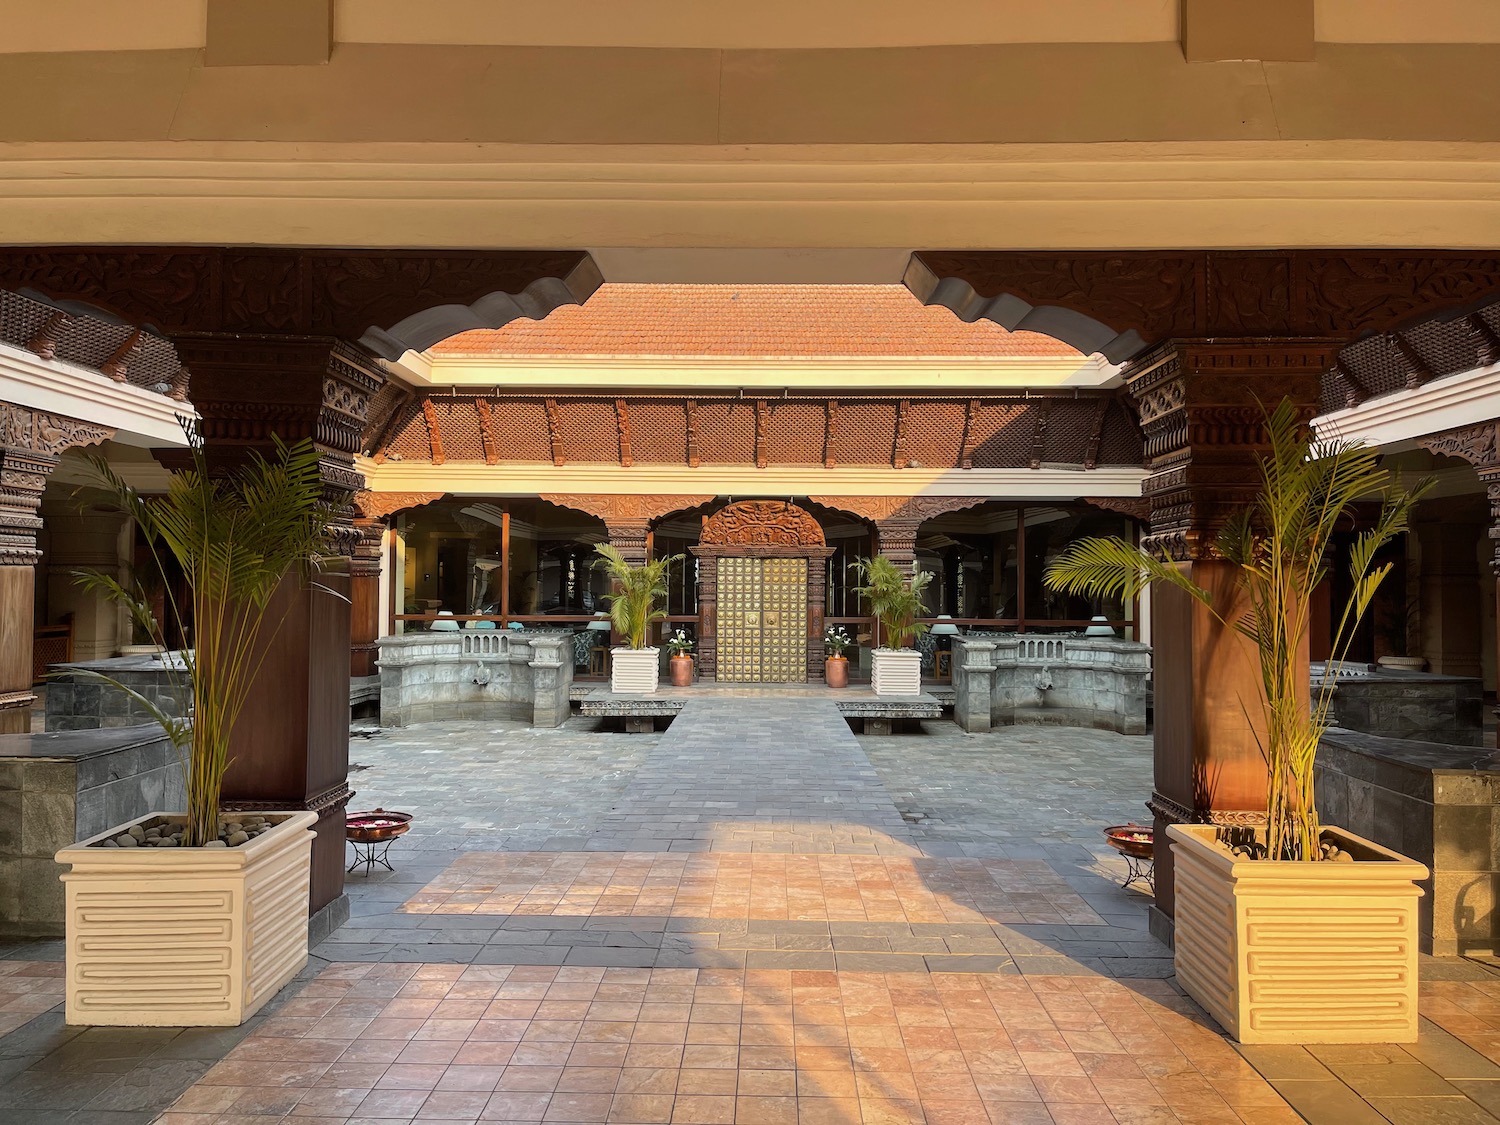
<point>682,671</point>
<point>836,671</point>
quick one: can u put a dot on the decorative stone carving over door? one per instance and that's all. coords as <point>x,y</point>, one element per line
<point>760,529</point>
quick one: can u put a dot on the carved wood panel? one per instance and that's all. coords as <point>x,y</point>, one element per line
<point>762,523</point>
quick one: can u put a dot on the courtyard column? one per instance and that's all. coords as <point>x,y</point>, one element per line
<point>291,746</point>
<point>1478,444</point>
<point>364,595</point>
<point>30,443</point>
<point>1203,422</point>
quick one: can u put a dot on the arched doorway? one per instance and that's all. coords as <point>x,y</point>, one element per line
<point>760,596</point>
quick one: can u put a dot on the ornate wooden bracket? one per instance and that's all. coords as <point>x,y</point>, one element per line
<point>30,443</point>
<point>379,505</point>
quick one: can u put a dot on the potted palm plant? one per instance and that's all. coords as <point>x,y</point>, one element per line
<point>634,669</point>
<point>198,917</point>
<point>1295,932</point>
<point>896,604</point>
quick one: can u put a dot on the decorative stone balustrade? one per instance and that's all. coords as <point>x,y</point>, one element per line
<point>1079,681</point>
<point>475,674</point>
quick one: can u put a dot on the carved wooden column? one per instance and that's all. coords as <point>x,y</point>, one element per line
<point>1201,414</point>
<point>1479,444</point>
<point>30,443</point>
<point>364,595</point>
<point>628,536</point>
<point>291,746</point>
<point>898,542</point>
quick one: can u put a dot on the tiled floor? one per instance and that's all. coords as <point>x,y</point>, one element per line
<point>842,888</point>
<point>751,917</point>
<point>539,1044</point>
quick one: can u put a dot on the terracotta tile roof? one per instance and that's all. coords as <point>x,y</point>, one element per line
<point>753,320</point>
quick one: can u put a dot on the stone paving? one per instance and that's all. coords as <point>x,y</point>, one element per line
<point>754,916</point>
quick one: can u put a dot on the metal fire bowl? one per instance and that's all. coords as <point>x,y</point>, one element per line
<point>1119,839</point>
<point>373,827</point>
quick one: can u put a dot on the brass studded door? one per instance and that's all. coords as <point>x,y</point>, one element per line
<point>762,625</point>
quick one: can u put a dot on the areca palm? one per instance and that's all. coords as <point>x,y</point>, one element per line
<point>1281,546</point>
<point>632,605</point>
<point>895,600</point>
<point>236,538</point>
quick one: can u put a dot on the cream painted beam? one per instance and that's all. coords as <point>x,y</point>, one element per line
<point>784,205</point>
<point>269,32</point>
<point>706,373</point>
<point>514,479</point>
<point>1443,404</point>
<point>139,417</point>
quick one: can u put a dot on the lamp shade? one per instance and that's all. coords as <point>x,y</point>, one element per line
<point>944,626</point>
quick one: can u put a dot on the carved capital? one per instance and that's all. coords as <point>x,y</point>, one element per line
<point>23,477</point>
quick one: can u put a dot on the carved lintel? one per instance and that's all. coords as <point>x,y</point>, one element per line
<point>830,433</point>
<point>434,432</point>
<point>622,424</point>
<point>379,505</point>
<point>762,523</point>
<point>624,509</point>
<point>554,441</point>
<point>879,508</point>
<point>487,432</point>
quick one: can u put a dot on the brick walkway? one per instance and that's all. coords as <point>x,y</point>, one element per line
<point>754,916</point>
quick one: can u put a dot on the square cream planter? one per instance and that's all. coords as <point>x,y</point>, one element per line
<point>185,937</point>
<point>634,671</point>
<point>1282,952</point>
<point>896,671</point>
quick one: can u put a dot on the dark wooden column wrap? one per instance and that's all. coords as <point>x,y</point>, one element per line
<point>364,595</point>
<point>31,441</point>
<point>291,747</point>
<point>1202,416</point>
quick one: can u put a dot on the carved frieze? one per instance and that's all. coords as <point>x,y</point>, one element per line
<point>378,505</point>
<point>1136,507</point>
<point>1478,444</point>
<point>762,523</point>
<point>40,432</point>
<point>624,509</point>
<point>880,509</point>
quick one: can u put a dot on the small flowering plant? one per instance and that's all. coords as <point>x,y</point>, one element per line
<point>836,640</point>
<point>680,644</point>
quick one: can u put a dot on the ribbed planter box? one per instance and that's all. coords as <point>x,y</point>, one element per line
<point>185,937</point>
<point>1283,952</point>
<point>896,671</point>
<point>634,671</point>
